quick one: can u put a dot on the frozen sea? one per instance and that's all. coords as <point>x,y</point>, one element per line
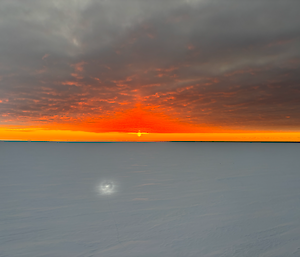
<point>167,199</point>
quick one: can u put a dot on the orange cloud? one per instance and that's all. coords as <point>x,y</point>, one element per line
<point>145,119</point>
<point>78,66</point>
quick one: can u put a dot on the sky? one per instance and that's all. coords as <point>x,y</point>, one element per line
<point>149,70</point>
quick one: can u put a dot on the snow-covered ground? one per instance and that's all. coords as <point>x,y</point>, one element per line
<point>164,199</point>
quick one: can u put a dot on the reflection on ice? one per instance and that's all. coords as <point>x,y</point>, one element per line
<point>107,187</point>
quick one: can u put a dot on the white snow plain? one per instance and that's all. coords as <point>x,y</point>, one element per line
<point>149,199</point>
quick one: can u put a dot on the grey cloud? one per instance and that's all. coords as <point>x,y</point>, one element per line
<point>239,60</point>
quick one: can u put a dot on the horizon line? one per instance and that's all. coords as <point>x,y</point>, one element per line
<point>171,141</point>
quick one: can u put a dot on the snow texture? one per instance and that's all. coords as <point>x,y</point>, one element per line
<point>167,199</point>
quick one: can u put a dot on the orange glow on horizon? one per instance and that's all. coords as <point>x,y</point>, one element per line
<point>146,119</point>
<point>40,134</point>
<point>142,123</point>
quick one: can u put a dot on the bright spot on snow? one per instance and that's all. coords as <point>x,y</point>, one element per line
<point>107,187</point>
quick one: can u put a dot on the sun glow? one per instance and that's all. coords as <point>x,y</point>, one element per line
<point>139,133</point>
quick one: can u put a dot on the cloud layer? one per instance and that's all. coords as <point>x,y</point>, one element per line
<point>220,63</point>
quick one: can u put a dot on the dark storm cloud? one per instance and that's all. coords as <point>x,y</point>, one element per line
<point>231,63</point>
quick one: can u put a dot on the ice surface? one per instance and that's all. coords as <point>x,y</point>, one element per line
<point>170,199</point>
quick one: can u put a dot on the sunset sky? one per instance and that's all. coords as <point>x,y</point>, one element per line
<point>150,70</point>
